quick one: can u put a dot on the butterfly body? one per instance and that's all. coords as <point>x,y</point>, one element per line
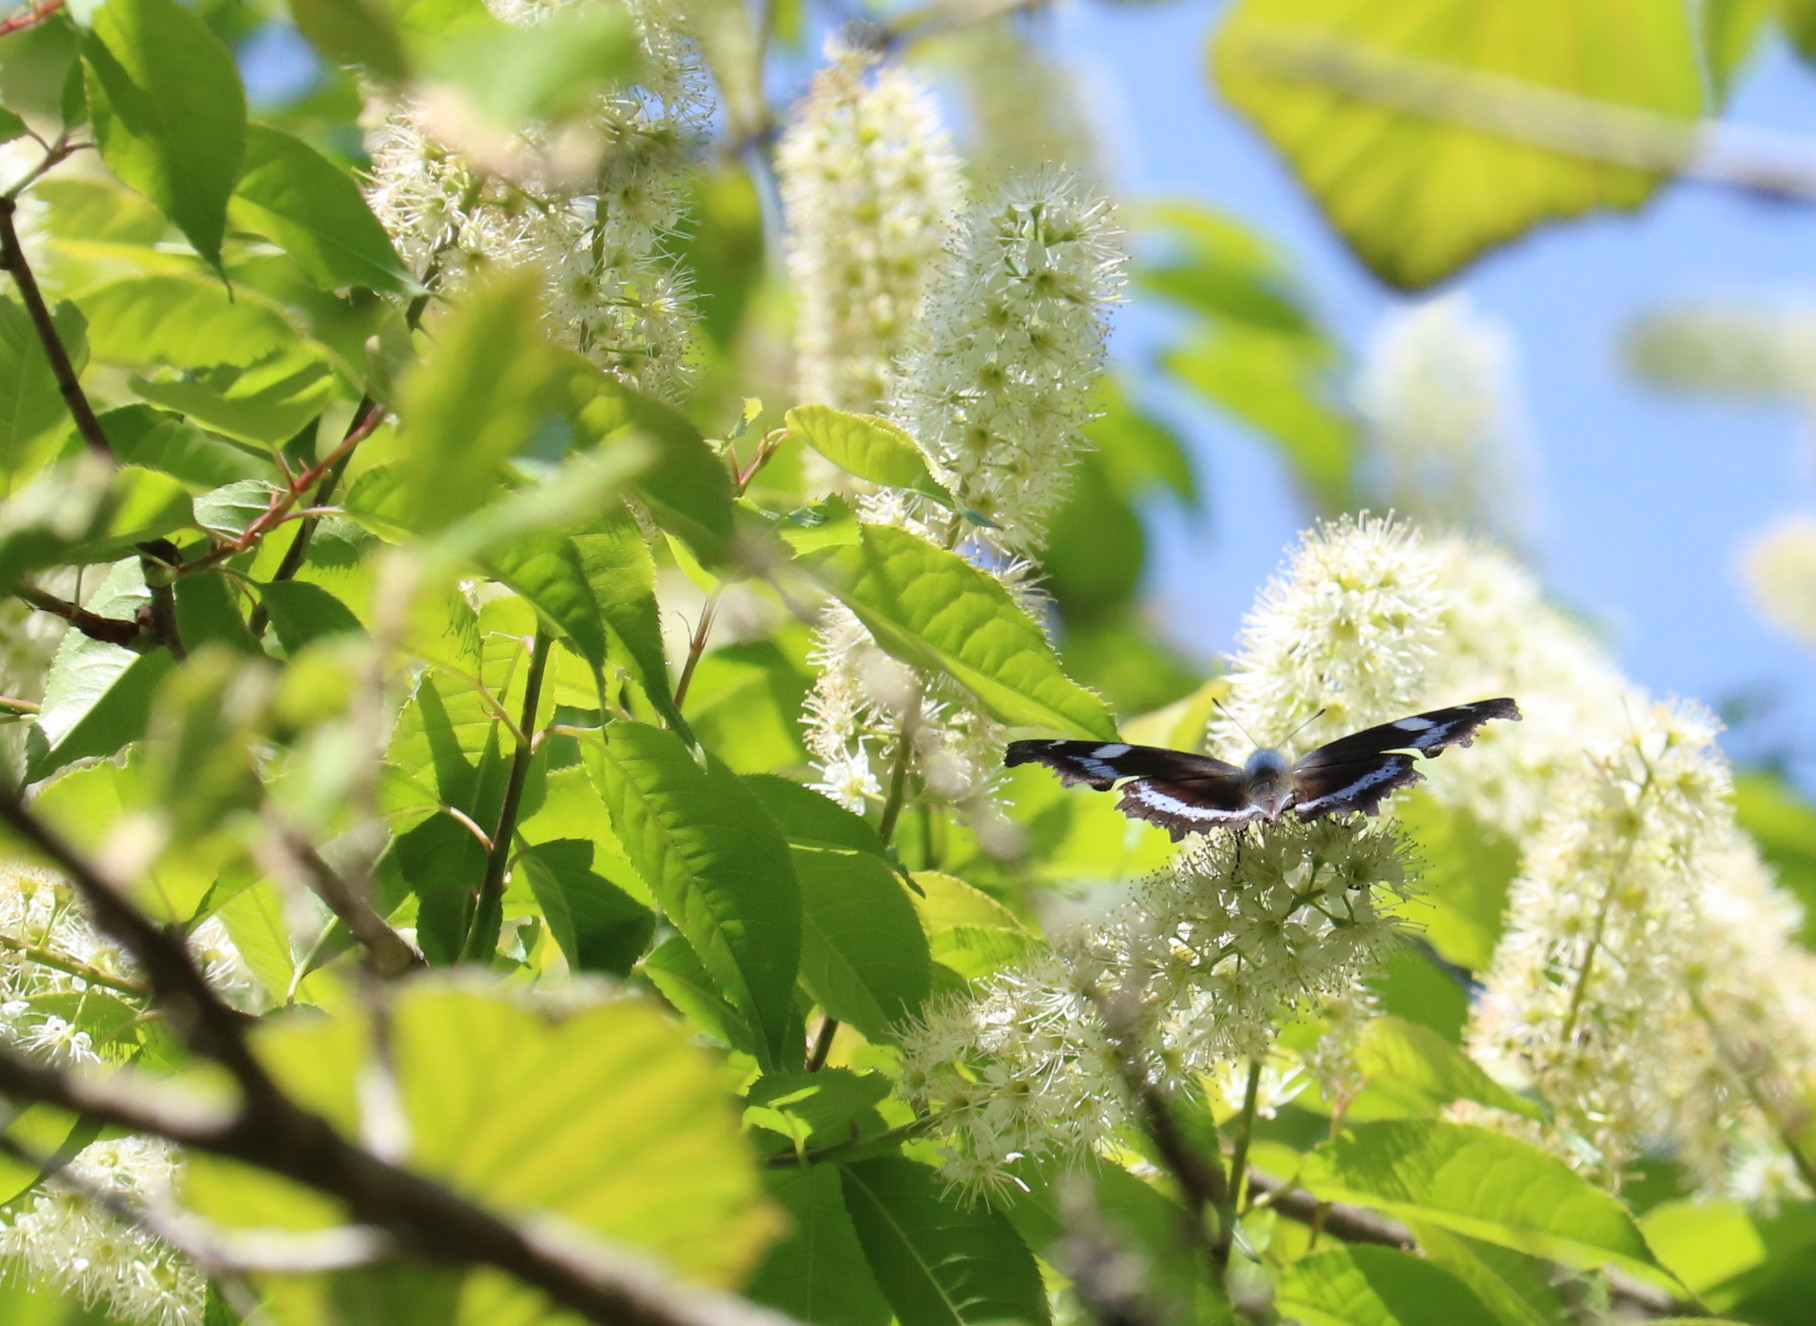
<point>1186,793</point>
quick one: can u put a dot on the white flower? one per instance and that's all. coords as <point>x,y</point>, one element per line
<point>1438,402</point>
<point>1780,567</point>
<point>869,183</point>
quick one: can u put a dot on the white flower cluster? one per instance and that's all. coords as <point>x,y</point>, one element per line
<point>1602,923</point>
<point>994,394</point>
<point>595,216</point>
<point>1780,567</point>
<point>869,183</point>
<point>1203,963</point>
<point>997,388</point>
<point>59,1235</point>
<point>1437,399</point>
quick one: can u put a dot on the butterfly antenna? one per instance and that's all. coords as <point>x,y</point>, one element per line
<point>1307,723</point>
<point>1222,709</point>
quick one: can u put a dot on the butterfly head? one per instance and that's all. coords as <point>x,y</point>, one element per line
<point>1268,780</point>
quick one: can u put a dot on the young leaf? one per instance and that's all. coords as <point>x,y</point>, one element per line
<point>715,863</point>
<point>617,564</point>
<point>938,1260</point>
<point>545,567</point>
<point>1369,1286</point>
<point>265,405</point>
<point>311,208</point>
<point>169,114</point>
<point>863,956</point>
<point>1479,1183</point>
<point>873,449</point>
<point>816,1272</point>
<point>933,609</point>
<point>598,925</point>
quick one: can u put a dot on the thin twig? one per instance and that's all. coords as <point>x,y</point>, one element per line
<point>73,967</point>
<point>696,647</point>
<point>10,704</point>
<point>12,260</point>
<point>488,911</point>
<point>110,630</point>
<point>822,1044</point>
<point>387,952</point>
<point>299,545</point>
<point>28,15</point>
<point>819,1155</point>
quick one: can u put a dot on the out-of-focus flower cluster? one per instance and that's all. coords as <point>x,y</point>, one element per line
<point>593,208</point>
<point>55,973</point>
<point>1192,976</point>
<point>1781,571</point>
<point>870,186</point>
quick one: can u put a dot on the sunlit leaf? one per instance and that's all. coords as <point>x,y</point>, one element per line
<point>863,956</point>
<point>1369,1286</point>
<point>816,1272</point>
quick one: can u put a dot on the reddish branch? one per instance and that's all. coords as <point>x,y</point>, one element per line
<point>29,15</point>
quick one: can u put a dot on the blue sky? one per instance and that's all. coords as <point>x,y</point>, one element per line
<point>1643,500</point>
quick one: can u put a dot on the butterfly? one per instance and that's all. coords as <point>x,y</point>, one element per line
<point>1185,793</point>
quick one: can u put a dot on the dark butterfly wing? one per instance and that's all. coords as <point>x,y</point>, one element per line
<point>1181,792</point>
<point>1356,772</point>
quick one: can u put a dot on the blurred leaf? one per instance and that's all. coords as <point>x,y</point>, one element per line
<point>265,405</point>
<point>716,864</point>
<point>1479,1183</point>
<point>1096,547</point>
<point>143,321</point>
<point>169,115</point>
<point>1798,19</point>
<point>828,1107</point>
<point>1221,269</point>
<point>938,1260</point>
<point>598,925</point>
<point>361,32</point>
<point>295,197</point>
<point>1137,449</point>
<point>687,486</point>
<point>552,69</point>
<point>1468,869</point>
<point>474,399</point>
<point>863,956</point>
<point>32,414</point>
<point>1517,1288</point>
<point>605,1118</point>
<point>1411,1070</point>
<point>723,247</point>
<point>745,703</point>
<point>1127,657</point>
<point>97,696</point>
<point>1370,1286</point>
<point>1731,33</point>
<point>863,445</point>
<point>1415,984</point>
<point>1747,1264</point>
<point>1784,826</point>
<point>1372,108</point>
<point>228,510</point>
<point>816,1272</point>
<point>1279,386</point>
<point>932,609</point>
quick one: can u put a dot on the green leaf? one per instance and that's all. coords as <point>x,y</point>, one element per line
<point>1732,32</point>
<point>1387,114</point>
<point>1783,823</point>
<point>158,441</point>
<point>228,510</point>
<point>745,705</point>
<point>1279,386</point>
<point>938,1260</point>
<point>715,863</point>
<point>309,207</point>
<point>1798,19</point>
<point>605,1119</point>
<point>169,114</point>
<point>440,862</point>
<point>873,449</point>
<point>1479,1183</point>
<point>1369,1286</point>
<point>1220,268</point>
<point>1518,1289</point>
<point>809,819</point>
<point>967,930</point>
<point>1412,1070</point>
<point>816,1272</point>
<point>1138,449</point>
<point>302,613</point>
<point>32,413</point>
<point>598,925</point>
<point>356,32</point>
<point>266,404</point>
<point>1463,890</point>
<point>622,574</point>
<point>552,69</point>
<point>687,486</point>
<point>97,696</point>
<point>933,609</point>
<point>676,970</point>
<point>546,568</point>
<point>829,1106</point>
<point>474,399</point>
<point>863,956</point>
<point>11,126</point>
<point>142,321</point>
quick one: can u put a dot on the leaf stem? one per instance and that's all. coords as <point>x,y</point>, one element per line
<point>488,912</point>
<point>697,646</point>
<point>1245,1127</point>
<point>109,630</point>
<point>72,967</point>
<point>12,260</point>
<point>29,15</point>
<point>898,771</point>
<point>299,545</point>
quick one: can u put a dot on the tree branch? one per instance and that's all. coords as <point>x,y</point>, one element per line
<point>388,953</point>
<point>111,630</point>
<point>12,260</point>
